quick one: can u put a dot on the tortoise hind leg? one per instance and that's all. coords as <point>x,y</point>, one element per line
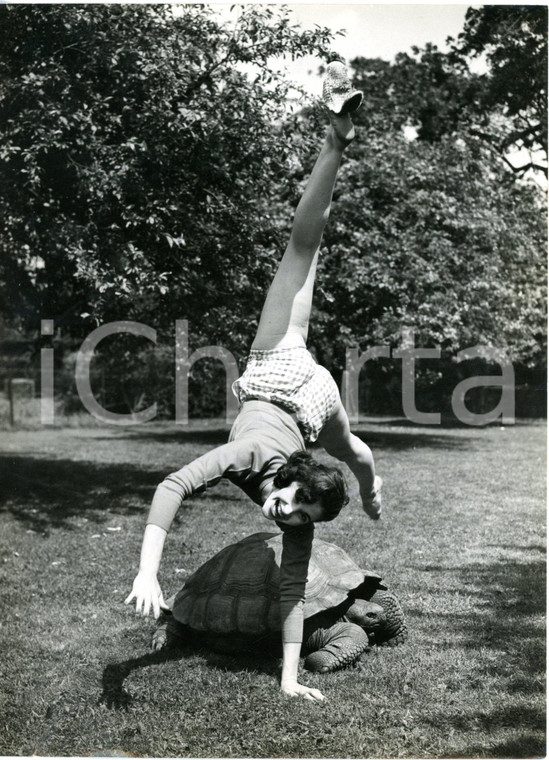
<point>168,635</point>
<point>335,647</point>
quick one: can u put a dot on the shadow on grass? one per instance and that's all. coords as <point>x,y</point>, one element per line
<point>506,616</point>
<point>525,744</point>
<point>525,547</point>
<point>402,440</point>
<point>507,596</point>
<point>44,493</point>
<point>413,437</point>
<point>215,436</point>
<point>115,696</point>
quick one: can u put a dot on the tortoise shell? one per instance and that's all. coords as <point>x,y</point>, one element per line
<point>237,590</point>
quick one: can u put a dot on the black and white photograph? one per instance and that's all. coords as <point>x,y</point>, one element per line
<point>273,380</point>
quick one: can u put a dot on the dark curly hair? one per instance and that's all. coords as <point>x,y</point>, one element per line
<point>317,481</point>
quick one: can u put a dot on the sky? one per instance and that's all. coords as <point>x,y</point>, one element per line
<point>378,30</point>
<point>372,30</point>
<point>375,30</point>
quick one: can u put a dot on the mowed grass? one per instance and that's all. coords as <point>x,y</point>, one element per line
<point>462,543</point>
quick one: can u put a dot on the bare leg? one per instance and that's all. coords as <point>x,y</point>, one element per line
<point>339,442</point>
<point>284,321</point>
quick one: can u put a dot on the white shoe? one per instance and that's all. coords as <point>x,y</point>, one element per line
<point>336,90</point>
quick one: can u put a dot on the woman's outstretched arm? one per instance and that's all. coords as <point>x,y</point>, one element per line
<point>294,564</point>
<point>196,476</point>
<point>146,590</point>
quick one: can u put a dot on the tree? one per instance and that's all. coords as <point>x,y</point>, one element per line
<point>136,145</point>
<point>429,232</point>
<point>438,94</point>
<point>151,173</point>
<point>137,148</point>
<point>431,236</point>
<point>513,39</point>
<point>427,90</point>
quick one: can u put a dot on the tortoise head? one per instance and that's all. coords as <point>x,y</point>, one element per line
<point>369,616</point>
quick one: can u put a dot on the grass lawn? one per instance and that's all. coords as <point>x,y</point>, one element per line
<point>462,543</point>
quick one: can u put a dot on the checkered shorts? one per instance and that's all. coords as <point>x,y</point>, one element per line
<point>291,378</point>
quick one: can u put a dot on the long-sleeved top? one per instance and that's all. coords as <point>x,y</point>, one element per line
<point>261,440</point>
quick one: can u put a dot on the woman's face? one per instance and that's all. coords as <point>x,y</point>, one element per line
<point>284,506</point>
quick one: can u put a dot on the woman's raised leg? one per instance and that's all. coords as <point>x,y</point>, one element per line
<point>284,321</point>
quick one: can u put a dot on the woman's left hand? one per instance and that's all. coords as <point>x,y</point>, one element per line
<point>371,504</point>
<point>295,689</point>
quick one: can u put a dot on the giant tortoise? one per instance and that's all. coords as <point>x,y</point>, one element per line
<point>231,604</point>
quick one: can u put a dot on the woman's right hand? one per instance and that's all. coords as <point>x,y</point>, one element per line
<point>147,593</point>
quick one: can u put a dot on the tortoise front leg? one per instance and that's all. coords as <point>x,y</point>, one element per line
<point>335,647</point>
<point>394,630</point>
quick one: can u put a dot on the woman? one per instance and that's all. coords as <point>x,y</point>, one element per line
<point>286,399</point>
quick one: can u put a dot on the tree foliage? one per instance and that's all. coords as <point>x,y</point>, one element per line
<point>430,236</point>
<point>136,147</point>
<point>426,90</point>
<point>151,169</point>
<point>513,39</point>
